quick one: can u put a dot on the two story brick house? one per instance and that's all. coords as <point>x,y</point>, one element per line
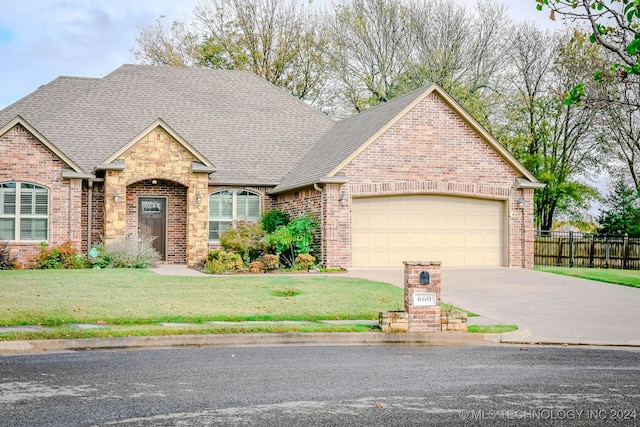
<point>183,154</point>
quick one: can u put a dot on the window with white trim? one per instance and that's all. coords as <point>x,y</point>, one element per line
<point>24,211</point>
<point>228,207</point>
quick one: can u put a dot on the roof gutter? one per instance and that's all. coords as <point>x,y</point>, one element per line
<point>338,179</point>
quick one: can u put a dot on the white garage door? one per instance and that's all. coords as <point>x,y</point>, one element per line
<point>455,230</point>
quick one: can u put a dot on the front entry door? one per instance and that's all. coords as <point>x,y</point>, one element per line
<point>152,219</point>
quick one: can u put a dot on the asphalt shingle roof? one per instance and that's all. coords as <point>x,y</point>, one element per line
<point>252,131</point>
<point>343,139</point>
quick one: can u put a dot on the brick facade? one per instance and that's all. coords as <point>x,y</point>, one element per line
<point>431,150</point>
<point>36,164</point>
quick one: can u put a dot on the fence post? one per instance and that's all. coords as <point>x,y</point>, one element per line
<point>607,247</point>
<point>625,251</point>
<point>570,249</point>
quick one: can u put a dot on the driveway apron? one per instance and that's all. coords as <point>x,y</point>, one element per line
<point>553,308</point>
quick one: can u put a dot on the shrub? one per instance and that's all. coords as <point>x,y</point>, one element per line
<point>7,261</point>
<point>246,239</point>
<point>270,261</point>
<point>273,219</point>
<point>292,240</point>
<point>127,253</point>
<point>223,262</point>
<point>256,267</point>
<point>305,262</point>
<point>63,256</point>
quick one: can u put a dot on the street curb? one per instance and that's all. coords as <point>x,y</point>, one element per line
<point>324,338</point>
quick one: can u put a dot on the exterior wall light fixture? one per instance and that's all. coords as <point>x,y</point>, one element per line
<point>198,198</point>
<point>521,202</point>
<point>343,198</point>
<point>116,197</point>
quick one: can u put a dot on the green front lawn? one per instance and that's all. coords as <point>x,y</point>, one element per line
<point>619,277</point>
<point>128,297</point>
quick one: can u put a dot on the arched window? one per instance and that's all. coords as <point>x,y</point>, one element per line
<point>227,207</point>
<point>24,211</point>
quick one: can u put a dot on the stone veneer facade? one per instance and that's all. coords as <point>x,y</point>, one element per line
<point>158,156</point>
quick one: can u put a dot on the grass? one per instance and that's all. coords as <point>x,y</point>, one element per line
<point>448,307</point>
<point>618,277</point>
<point>64,332</point>
<point>129,297</point>
<point>491,329</point>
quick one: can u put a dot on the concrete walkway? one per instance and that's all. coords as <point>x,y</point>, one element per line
<point>548,308</point>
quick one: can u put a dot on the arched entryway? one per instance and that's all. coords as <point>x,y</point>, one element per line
<point>157,208</point>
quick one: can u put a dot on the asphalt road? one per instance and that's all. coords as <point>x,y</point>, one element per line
<point>323,385</point>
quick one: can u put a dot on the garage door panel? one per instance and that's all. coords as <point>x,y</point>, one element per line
<point>455,230</point>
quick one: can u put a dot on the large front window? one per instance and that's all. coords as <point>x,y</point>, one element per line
<point>228,207</point>
<point>24,211</point>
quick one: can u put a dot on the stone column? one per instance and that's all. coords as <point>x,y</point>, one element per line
<point>422,295</point>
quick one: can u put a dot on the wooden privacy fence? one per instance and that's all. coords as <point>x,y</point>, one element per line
<point>575,249</point>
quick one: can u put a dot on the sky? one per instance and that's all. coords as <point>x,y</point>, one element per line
<point>43,39</point>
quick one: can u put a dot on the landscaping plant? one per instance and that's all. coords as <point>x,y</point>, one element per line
<point>63,256</point>
<point>7,261</point>
<point>127,253</point>
<point>273,219</point>
<point>296,238</point>
<point>305,262</point>
<point>246,239</point>
<point>223,262</point>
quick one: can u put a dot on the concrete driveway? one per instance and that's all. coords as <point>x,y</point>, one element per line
<point>548,308</point>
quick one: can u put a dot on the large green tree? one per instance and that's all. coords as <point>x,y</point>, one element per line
<point>555,141</point>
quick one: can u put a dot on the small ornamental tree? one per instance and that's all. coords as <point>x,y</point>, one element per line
<point>296,238</point>
<point>622,212</point>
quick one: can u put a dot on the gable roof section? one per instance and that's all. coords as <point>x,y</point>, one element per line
<point>174,135</point>
<point>20,121</point>
<point>253,131</point>
<point>47,99</point>
<point>348,138</point>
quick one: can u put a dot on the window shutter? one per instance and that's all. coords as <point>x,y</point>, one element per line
<point>42,202</point>
<point>26,202</point>
<point>253,207</point>
<point>7,229</point>
<point>7,201</point>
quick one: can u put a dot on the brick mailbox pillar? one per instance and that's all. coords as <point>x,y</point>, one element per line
<point>422,295</point>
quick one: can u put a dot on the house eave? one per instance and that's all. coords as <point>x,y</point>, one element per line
<point>197,167</point>
<point>524,183</point>
<point>241,183</point>
<point>339,179</point>
<point>116,165</point>
<point>71,174</point>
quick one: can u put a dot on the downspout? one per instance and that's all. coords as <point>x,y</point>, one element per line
<point>322,230</point>
<point>89,214</point>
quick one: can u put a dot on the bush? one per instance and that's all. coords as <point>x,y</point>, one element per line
<point>7,261</point>
<point>256,267</point>
<point>270,261</point>
<point>292,240</point>
<point>246,239</point>
<point>305,262</point>
<point>64,256</point>
<point>127,253</point>
<point>273,219</point>
<point>223,262</point>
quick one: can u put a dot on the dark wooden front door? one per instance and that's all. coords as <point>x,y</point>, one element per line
<point>152,220</point>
